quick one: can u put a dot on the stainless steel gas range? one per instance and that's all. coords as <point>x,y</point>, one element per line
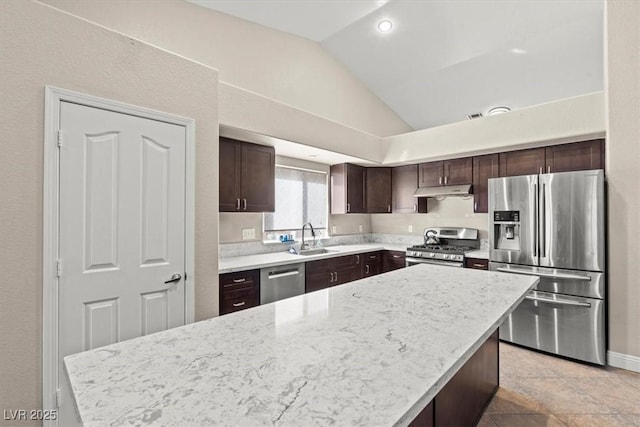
<point>443,246</point>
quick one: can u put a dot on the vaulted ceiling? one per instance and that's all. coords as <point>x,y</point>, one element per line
<point>446,59</point>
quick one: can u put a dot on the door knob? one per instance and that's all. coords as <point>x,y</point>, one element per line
<point>175,278</point>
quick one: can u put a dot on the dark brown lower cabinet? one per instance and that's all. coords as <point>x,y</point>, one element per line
<point>371,264</point>
<point>477,263</point>
<point>239,291</point>
<point>463,400</point>
<point>325,273</point>
<point>392,260</point>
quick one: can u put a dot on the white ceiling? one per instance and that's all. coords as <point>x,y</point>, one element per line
<point>446,59</point>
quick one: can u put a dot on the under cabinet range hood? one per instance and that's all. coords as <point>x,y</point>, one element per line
<point>444,191</point>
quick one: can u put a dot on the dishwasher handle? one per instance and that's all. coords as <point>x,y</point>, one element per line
<point>283,273</point>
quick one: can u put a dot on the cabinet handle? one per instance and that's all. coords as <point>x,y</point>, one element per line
<point>245,204</point>
<point>475,206</point>
<point>415,207</point>
<point>348,207</point>
<point>239,280</point>
<point>440,180</point>
<point>239,304</point>
<point>548,169</point>
<point>397,256</point>
<point>540,170</point>
<point>388,208</point>
<point>372,257</point>
<point>446,178</point>
<point>237,204</point>
<point>332,278</point>
<point>357,259</point>
<point>366,270</point>
<point>478,265</point>
<point>336,273</point>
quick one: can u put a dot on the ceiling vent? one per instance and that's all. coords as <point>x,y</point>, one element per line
<point>474,116</point>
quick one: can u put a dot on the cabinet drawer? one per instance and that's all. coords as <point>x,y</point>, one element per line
<point>240,278</point>
<point>477,263</point>
<point>393,260</point>
<point>237,304</point>
<point>239,290</point>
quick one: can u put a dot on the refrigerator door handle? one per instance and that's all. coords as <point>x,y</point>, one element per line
<point>543,228</point>
<point>546,275</point>
<point>559,301</point>
<point>536,239</point>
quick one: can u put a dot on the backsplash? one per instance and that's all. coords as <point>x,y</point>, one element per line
<point>227,250</point>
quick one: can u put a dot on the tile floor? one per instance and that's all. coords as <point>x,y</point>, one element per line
<point>540,390</point>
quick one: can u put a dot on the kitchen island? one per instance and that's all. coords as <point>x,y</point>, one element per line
<point>376,351</point>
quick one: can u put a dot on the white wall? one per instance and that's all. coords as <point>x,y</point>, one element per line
<point>268,62</point>
<point>566,120</point>
<point>41,46</point>
<point>623,174</point>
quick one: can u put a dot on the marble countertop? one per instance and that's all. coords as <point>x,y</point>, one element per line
<point>481,254</point>
<point>371,352</point>
<point>250,262</point>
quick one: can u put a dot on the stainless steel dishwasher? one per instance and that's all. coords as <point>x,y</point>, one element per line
<point>281,282</point>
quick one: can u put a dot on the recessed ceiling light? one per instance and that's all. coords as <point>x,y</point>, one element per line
<point>518,51</point>
<point>385,26</point>
<point>498,110</point>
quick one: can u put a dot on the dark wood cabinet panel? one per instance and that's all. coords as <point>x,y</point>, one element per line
<point>448,172</point>
<point>324,273</point>
<point>239,291</point>
<point>458,171</point>
<point>477,263</point>
<point>471,388</point>
<point>314,281</point>
<point>371,264</point>
<point>404,180</point>
<point>393,260</point>
<point>247,177</point>
<point>522,162</point>
<point>484,167</point>
<point>258,178</point>
<point>378,185</point>
<point>229,180</point>
<point>576,156</point>
<point>430,174</point>
<point>348,189</point>
<point>424,418</point>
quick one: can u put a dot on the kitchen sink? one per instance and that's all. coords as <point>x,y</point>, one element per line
<point>315,251</point>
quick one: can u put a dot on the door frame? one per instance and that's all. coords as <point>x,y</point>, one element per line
<point>50,224</point>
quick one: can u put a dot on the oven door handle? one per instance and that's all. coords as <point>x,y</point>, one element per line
<point>430,261</point>
<point>559,302</point>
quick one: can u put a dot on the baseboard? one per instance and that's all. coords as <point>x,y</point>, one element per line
<point>624,361</point>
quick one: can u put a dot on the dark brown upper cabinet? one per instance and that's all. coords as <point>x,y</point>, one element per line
<point>404,180</point>
<point>247,177</point>
<point>378,184</point>
<point>574,157</point>
<point>522,162</point>
<point>556,158</point>
<point>484,167</point>
<point>348,192</point>
<point>448,172</point>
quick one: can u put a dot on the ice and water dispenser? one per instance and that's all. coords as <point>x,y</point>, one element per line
<point>506,229</point>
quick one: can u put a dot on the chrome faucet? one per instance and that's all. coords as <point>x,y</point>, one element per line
<point>313,234</point>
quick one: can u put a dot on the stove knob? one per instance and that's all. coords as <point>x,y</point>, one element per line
<point>446,256</point>
<point>432,255</point>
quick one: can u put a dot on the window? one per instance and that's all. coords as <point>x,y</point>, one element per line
<point>301,197</point>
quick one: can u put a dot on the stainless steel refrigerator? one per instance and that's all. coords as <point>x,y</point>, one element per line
<point>553,226</point>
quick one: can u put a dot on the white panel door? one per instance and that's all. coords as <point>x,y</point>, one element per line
<point>122,231</point>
